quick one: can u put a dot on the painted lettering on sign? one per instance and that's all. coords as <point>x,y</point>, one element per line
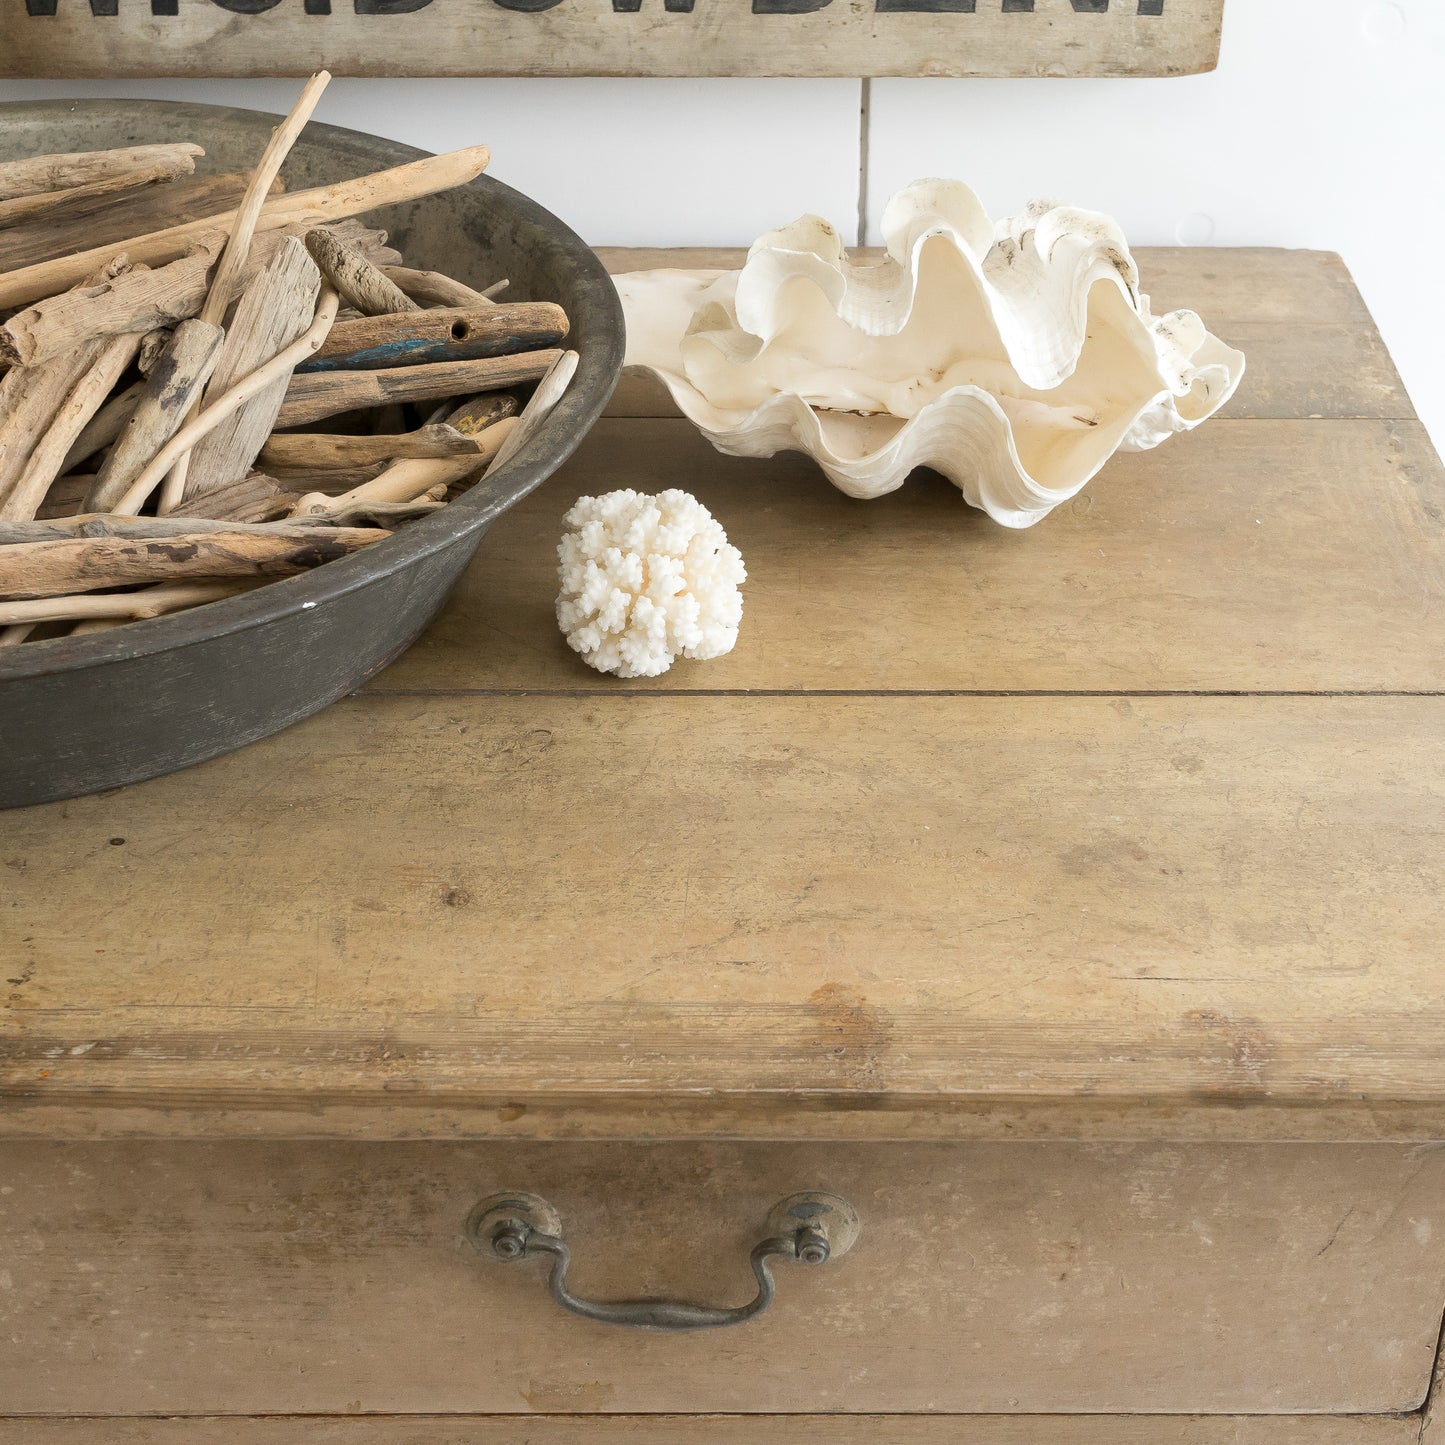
<point>122,38</point>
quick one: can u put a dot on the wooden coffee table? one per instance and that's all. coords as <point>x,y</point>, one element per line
<point>1069,902</point>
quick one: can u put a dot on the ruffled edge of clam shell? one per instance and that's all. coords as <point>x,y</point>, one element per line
<point>1198,371</point>
<point>1033,273</point>
<point>964,435</point>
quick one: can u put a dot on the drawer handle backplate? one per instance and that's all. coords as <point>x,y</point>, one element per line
<point>804,1228</point>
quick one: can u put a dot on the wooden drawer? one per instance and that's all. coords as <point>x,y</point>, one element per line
<point>261,1278</point>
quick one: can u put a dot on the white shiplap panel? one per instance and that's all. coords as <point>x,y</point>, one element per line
<point>624,162</point>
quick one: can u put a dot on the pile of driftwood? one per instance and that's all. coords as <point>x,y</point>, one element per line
<point>163,337</point>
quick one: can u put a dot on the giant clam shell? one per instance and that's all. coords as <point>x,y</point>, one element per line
<point>1015,359</point>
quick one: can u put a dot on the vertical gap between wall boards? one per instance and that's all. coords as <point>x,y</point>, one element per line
<point>865,96</point>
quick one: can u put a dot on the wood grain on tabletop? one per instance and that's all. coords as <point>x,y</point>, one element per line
<point>597,898</point>
<point>728,1430</point>
<point>1254,556</point>
<point>244,1277</point>
<point>948,906</point>
<point>1268,551</point>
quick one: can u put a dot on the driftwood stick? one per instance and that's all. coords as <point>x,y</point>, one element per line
<point>150,603</point>
<point>312,207</point>
<point>404,481</point>
<point>103,427</point>
<point>233,259</point>
<point>322,394</point>
<point>400,483</point>
<point>152,347</point>
<point>360,237</point>
<point>109,524</point>
<point>148,298</point>
<point>43,206</point>
<point>431,288</point>
<point>80,564</point>
<point>83,168</point>
<point>549,392</point>
<point>19,381</point>
<point>359,283</point>
<point>409,182</point>
<point>414,338</point>
<point>331,480</point>
<point>476,416</point>
<point>77,224</point>
<point>255,498</point>
<point>166,396</point>
<point>226,447</point>
<point>138,300</point>
<point>322,451</point>
<point>16,633</point>
<point>277,307</point>
<point>29,399</point>
<point>386,513</point>
<point>14,384</point>
<point>31,396</point>
<point>479,413</point>
<point>280,365</point>
<point>85,399</point>
<point>496,289</point>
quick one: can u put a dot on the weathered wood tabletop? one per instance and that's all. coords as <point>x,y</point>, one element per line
<point>1126,825</point>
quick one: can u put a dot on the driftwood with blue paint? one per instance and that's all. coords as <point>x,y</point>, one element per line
<point>411,338</point>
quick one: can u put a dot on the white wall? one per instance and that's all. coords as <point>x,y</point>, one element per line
<point>1324,126</point>
<point>662,162</point>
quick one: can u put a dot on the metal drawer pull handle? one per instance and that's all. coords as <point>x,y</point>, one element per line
<point>805,1228</point>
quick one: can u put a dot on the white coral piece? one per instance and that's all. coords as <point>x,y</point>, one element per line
<point>1015,359</point>
<point>645,580</point>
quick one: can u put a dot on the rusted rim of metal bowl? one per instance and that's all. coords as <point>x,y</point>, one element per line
<point>595,311</point>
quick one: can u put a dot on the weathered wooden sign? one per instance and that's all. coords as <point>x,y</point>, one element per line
<point>608,37</point>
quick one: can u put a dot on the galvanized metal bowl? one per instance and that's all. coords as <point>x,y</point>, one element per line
<point>81,714</point>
